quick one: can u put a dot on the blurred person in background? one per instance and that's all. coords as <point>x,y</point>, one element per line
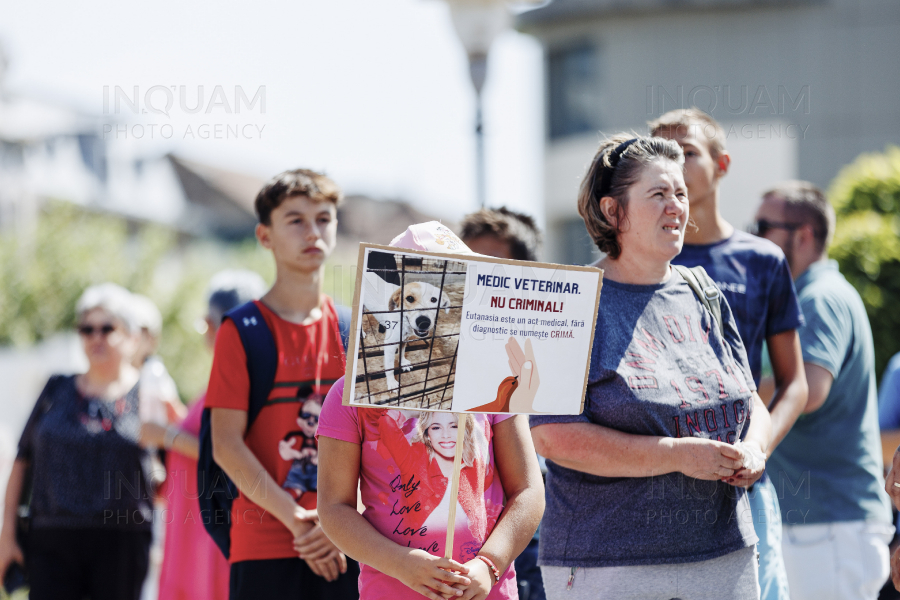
<point>91,508</point>
<point>889,410</point>
<point>646,488</point>
<point>159,396</point>
<point>501,233</point>
<point>193,567</point>
<point>889,422</point>
<point>835,513</point>
<point>504,233</point>
<point>160,406</point>
<point>754,277</point>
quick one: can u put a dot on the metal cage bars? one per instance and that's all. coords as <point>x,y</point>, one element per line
<point>365,350</point>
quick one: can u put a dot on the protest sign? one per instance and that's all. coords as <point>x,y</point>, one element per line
<point>436,336</point>
<point>464,332</point>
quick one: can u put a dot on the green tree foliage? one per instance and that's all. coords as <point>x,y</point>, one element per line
<point>44,270</point>
<point>866,198</point>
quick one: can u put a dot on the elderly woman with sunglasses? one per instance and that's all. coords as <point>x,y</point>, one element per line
<point>91,507</point>
<point>645,489</point>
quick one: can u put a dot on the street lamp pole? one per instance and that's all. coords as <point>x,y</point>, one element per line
<point>478,73</point>
<point>478,23</point>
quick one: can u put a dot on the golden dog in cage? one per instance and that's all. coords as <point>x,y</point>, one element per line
<point>423,365</point>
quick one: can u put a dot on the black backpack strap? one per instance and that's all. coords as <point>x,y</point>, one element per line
<point>343,314</point>
<point>216,490</point>
<point>262,355</point>
<point>705,289</point>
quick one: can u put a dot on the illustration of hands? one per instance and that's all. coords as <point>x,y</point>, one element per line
<point>523,366</point>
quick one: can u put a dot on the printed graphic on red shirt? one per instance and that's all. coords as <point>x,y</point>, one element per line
<point>310,360</point>
<point>299,447</point>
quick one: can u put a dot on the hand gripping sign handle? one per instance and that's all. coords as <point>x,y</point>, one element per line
<point>454,483</point>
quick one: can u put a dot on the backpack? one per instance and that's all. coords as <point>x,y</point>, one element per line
<point>216,491</point>
<point>705,289</point>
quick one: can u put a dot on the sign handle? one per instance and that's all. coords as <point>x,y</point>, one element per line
<point>454,483</point>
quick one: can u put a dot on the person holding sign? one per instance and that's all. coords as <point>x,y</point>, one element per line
<point>645,488</point>
<point>402,464</point>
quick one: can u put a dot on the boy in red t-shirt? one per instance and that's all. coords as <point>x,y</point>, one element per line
<point>278,549</point>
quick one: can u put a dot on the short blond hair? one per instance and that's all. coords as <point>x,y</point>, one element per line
<point>148,313</point>
<point>691,120</point>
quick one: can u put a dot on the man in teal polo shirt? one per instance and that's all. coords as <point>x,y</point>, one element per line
<point>828,469</point>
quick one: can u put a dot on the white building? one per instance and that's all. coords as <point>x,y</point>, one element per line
<point>801,87</point>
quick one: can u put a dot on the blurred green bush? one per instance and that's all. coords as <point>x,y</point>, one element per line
<point>43,271</point>
<point>866,199</point>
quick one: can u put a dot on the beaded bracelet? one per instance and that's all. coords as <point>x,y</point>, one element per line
<point>493,568</point>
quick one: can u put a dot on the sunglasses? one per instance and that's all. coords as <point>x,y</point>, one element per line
<point>761,227</point>
<point>305,416</point>
<point>89,330</point>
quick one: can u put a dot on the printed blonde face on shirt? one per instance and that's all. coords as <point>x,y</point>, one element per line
<point>441,435</point>
<point>475,445</point>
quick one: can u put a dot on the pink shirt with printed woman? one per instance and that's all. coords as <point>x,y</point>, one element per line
<point>405,482</point>
<point>402,463</point>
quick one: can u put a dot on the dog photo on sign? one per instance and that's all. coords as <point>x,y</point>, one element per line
<point>411,313</point>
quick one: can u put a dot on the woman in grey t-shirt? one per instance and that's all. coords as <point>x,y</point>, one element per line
<point>646,488</point>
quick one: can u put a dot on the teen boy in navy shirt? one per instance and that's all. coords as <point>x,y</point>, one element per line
<point>756,280</point>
